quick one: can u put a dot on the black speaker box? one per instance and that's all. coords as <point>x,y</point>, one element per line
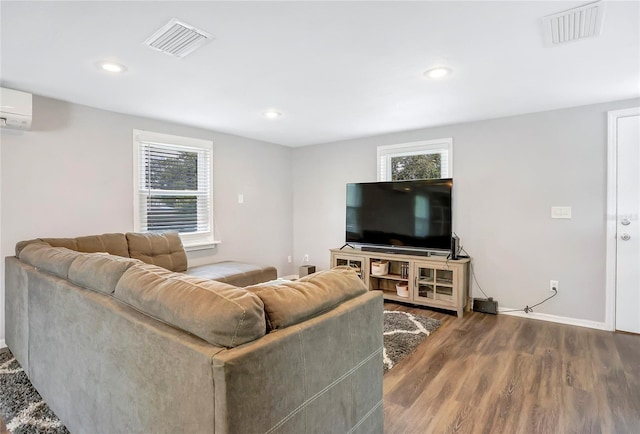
<point>455,246</point>
<point>305,270</point>
<point>485,305</point>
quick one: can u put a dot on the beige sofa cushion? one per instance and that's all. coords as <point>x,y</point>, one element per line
<point>220,314</point>
<point>162,249</point>
<point>116,244</point>
<point>22,244</point>
<point>289,303</point>
<point>54,260</point>
<point>99,272</point>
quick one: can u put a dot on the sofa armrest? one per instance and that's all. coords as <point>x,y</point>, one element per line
<point>16,309</point>
<point>326,371</point>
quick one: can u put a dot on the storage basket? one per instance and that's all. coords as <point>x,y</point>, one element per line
<point>402,288</point>
<point>379,268</point>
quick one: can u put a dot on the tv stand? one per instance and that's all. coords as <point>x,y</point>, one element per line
<point>433,281</point>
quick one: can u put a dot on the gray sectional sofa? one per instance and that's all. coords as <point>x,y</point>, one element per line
<point>117,342</point>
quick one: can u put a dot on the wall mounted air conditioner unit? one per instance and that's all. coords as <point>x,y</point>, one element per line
<point>15,109</point>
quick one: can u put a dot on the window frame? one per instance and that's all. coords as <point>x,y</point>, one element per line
<point>190,240</point>
<point>439,146</point>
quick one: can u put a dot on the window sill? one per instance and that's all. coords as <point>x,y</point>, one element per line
<point>201,246</point>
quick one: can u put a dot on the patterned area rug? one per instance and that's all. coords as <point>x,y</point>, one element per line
<point>24,411</point>
<point>21,407</point>
<point>403,332</point>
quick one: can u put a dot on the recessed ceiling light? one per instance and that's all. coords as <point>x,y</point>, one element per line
<point>272,114</point>
<point>111,67</point>
<point>437,72</point>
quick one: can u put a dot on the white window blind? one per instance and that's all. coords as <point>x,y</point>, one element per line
<point>173,179</point>
<point>442,148</point>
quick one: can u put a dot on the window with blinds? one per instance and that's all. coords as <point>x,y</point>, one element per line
<point>173,177</point>
<point>418,160</point>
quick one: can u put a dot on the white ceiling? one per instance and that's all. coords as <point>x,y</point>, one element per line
<point>336,70</point>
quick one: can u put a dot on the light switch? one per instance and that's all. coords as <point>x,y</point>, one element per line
<point>241,198</point>
<point>560,212</point>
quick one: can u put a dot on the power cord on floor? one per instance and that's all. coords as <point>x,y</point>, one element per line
<point>528,309</point>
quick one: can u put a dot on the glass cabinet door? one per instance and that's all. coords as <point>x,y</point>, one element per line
<point>444,285</point>
<point>434,284</point>
<point>425,283</point>
<point>355,263</point>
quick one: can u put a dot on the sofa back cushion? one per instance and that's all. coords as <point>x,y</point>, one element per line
<point>289,303</point>
<point>162,249</point>
<point>220,314</point>
<point>115,244</point>
<point>20,245</point>
<point>54,260</point>
<point>99,272</point>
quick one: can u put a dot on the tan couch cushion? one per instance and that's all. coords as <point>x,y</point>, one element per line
<point>22,244</point>
<point>116,244</point>
<point>162,249</point>
<point>288,303</point>
<point>220,314</point>
<point>67,243</point>
<point>54,260</point>
<point>99,272</point>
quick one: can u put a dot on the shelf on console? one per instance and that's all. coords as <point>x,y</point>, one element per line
<point>390,277</point>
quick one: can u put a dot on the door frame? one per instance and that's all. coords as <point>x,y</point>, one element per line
<point>612,206</point>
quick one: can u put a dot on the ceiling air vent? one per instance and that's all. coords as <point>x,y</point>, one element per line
<point>574,24</point>
<point>178,39</point>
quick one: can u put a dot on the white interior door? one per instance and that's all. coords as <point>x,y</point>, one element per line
<point>628,225</point>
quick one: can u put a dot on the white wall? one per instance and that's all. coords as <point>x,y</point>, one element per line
<point>507,174</point>
<point>2,334</point>
<point>72,175</point>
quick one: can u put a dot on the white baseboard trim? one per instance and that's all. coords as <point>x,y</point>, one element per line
<point>557,319</point>
<point>3,343</point>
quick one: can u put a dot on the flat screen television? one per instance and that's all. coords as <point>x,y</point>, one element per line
<point>401,214</point>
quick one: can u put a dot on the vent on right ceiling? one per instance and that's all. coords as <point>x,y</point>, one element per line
<point>574,24</point>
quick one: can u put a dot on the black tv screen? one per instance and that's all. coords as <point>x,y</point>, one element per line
<point>413,214</point>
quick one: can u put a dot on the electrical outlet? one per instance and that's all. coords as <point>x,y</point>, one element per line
<point>305,258</point>
<point>553,285</point>
<point>289,259</point>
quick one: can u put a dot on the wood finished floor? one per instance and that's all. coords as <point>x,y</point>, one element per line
<point>501,374</point>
